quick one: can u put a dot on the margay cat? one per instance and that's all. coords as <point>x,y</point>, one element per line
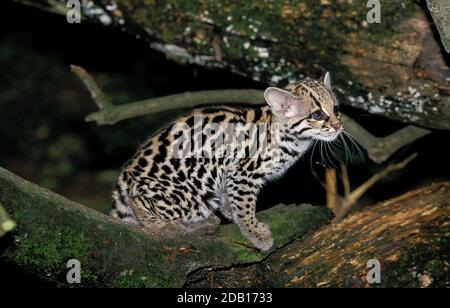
<point>164,191</point>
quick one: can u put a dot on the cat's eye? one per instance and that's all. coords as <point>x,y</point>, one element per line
<point>318,115</point>
<point>336,110</point>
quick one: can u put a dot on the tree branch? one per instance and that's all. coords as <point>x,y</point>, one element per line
<point>378,149</point>
<point>97,94</point>
<point>114,114</point>
<point>331,188</point>
<point>350,200</point>
<point>409,236</point>
<point>52,230</point>
<point>345,180</point>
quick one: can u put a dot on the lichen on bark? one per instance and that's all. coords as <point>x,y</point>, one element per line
<point>276,42</point>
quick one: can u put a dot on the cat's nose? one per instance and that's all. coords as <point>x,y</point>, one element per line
<point>336,125</point>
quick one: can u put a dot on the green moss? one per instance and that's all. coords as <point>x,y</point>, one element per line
<point>285,222</point>
<point>52,230</point>
<point>47,251</point>
<point>241,249</point>
<point>302,218</point>
<point>145,277</point>
<point>299,36</point>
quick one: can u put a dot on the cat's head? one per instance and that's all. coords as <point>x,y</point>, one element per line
<point>308,106</point>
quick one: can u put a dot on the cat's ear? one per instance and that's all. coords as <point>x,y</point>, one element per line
<point>327,80</point>
<point>283,104</point>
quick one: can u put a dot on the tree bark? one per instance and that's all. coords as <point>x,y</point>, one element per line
<point>52,230</point>
<point>440,10</point>
<point>409,235</point>
<point>390,68</point>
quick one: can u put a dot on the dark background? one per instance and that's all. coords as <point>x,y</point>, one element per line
<point>42,106</point>
<point>43,136</point>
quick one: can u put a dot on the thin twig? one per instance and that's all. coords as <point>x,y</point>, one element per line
<point>345,180</point>
<point>316,176</point>
<point>353,197</point>
<point>379,149</point>
<point>331,183</point>
<point>116,113</point>
<point>96,92</point>
<point>217,49</point>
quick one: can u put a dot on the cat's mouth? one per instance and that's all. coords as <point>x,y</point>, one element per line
<point>330,136</point>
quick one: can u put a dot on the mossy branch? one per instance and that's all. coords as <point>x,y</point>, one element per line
<point>52,230</point>
<point>378,149</point>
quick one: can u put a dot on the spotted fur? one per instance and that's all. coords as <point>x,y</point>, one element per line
<point>165,193</point>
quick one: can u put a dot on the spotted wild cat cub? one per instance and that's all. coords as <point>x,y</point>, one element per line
<point>215,160</point>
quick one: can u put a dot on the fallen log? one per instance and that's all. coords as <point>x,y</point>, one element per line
<point>51,230</point>
<point>409,235</point>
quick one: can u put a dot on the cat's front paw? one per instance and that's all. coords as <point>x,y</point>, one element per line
<point>261,237</point>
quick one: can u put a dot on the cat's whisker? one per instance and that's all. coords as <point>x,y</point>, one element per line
<point>332,148</point>
<point>355,144</point>
<point>327,148</point>
<point>321,153</point>
<point>347,151</point>
<point>343,152</point>
<point>351,146</point>
<point>339,150</point>
<point>326,157</point>
<point>312,154</point>
<point>328,161</point>
<point>337,146</point>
